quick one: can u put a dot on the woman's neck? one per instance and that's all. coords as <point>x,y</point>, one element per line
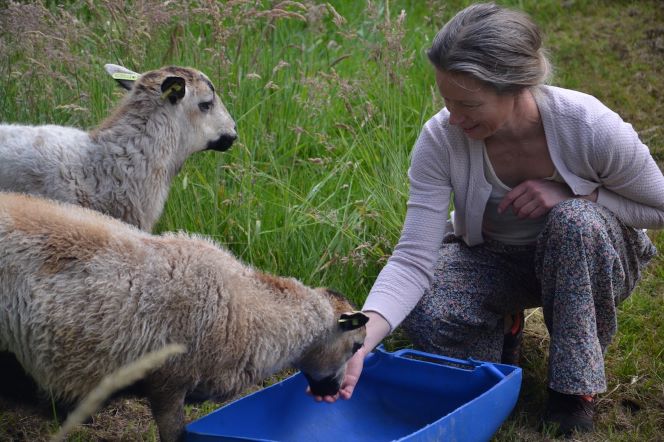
<point>525,123</point>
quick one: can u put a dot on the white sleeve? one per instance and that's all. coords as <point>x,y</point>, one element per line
<point>409,270</point>
<point>632,183</point>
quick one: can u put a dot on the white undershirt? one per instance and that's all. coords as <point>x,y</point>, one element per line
<point>506,227</point>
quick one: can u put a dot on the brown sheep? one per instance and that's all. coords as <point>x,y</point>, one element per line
<point>83,294</point>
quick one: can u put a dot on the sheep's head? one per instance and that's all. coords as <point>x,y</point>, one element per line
<point>186,95</point>
<point>324,365</point>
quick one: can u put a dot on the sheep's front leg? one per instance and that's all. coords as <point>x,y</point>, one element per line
<point>167,406</point>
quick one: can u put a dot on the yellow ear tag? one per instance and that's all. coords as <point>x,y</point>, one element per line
<point>352,320</point>
<point>172,88</point>
<point>126,76</point>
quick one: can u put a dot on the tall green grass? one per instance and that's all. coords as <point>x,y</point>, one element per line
<point>328,100</point>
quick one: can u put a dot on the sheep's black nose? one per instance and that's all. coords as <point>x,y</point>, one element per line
<point>325,387</point>
<point>222,143</point>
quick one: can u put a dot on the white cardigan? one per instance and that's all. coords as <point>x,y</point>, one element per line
<point>590,145</point>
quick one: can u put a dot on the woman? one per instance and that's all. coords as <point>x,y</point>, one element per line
<point>551,191</point>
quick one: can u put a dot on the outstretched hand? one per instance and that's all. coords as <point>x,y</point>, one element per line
<point>377,329</point>
<point>353,371</point>
<point>535,198</point>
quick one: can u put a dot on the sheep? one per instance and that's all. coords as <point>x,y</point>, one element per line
<point>124,166</point>
<point>82,294</point>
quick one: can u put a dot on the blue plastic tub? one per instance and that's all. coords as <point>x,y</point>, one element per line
<point>406,396</point>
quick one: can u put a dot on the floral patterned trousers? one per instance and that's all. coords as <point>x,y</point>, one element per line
<point>584,263</point>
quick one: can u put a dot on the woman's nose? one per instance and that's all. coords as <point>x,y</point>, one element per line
<point>455,117</point>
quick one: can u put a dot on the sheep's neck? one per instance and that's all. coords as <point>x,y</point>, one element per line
<point>137,138</point>
<point>133,152</point>
<point>270,331</point>
<point>293,330</point>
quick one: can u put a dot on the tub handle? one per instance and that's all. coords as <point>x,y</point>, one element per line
<point>409,353</point>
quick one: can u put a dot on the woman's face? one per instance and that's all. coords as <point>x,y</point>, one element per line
<point>474,107</point>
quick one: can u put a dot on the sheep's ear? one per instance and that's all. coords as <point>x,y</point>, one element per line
<point>122,75</point>
<point>352,320</point>
<point>173,88</point>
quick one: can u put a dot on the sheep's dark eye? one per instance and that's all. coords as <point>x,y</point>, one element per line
<point>205,106</point>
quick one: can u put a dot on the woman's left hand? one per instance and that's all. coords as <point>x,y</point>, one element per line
<point>534,198</point>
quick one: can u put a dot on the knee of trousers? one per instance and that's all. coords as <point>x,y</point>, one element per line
<point>442,320</point>
<point>574,217</point>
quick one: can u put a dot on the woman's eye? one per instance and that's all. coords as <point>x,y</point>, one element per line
<point>205,106</point>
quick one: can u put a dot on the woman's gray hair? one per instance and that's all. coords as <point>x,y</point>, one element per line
<point>498,46</point>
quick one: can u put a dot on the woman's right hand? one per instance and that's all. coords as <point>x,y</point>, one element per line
<point>353,372</point>
<point>377,329</point>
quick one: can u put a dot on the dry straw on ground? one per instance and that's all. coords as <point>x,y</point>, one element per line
<point>114,382</point>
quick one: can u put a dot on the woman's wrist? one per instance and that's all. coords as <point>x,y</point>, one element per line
<point>377,329</point>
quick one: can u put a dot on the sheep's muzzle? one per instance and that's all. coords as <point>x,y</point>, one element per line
<point>222,143</point>
<point>324,387</point>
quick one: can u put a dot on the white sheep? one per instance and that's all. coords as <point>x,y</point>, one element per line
<point>123,167</point>
<point>82,294</point>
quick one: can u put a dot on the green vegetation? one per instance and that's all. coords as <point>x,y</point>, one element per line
<point>329,99</point>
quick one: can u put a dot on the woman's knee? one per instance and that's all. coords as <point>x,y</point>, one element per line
<point>454,317</point>
<point>575,217</point>
<point>573,213</point>
<point>455,334</point>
